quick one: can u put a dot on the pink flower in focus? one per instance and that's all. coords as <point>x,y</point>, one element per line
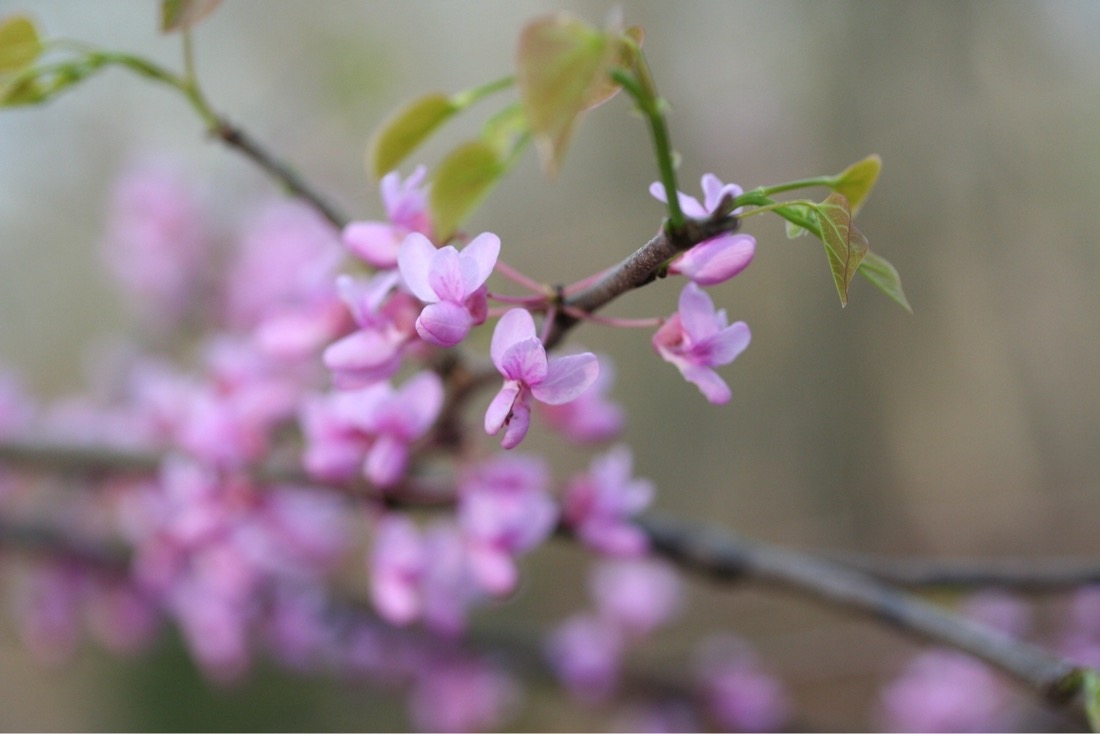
<point>592,417</point>
<point>504,509</point>
<point>697,338</point>
<point>638,596</point>
<point>718,259</point>
<point>598,504</point>
<point>520,357</point>
<point>739,694</point>
<point>406,205</point>
<point>451,283</point>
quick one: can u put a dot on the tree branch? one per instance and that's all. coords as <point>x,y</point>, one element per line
<point>716,553</point>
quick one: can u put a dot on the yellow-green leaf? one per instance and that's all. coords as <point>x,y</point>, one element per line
<point>885,277</point>
<point>19,43</point>
<point>505,130</point>
<point>856,181</point>
<point>404,130</point>
<point>460,183</point>
<point>845,246</point>
<point>175,15</point>
<point>563,69</point>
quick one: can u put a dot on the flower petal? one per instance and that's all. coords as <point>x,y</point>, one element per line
<point>513,327</point>
<point>697,313</point>
<point>374,242</point>
<point>717,260</point>
<point>484,251</point>
<point>525,361</point>
<point>443,324</point>
<point>445,275</point>
<point>501,406</point>
<point>713,387</point>
<point>725,346</point>
<point>414,260</point>
<point>566,378</point>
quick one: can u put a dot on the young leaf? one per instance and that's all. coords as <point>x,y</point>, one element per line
<point>885,277</point>
<point>796,230</point>
<point>19,43</point>
<point>845,246</point>
<point>460,183</point>
<point>563,69</point>
<point>505,130</point>
<point>403,131</point>
<point>856,181</point>
<point>175,15</point>
<point>1090,689</point>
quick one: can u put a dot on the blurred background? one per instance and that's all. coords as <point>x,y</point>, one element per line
<point>970,428</point>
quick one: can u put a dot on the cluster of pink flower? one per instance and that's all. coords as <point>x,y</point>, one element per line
<point>236,546</point>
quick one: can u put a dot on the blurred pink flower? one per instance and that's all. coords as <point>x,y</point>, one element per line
<point>637,595</point>
<point>598,504</point>
<point>406,205</point>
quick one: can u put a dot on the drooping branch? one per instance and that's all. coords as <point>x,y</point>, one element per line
<point>713,552</point>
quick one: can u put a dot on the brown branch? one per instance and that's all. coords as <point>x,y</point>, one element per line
<point>716,553</point>
<point>720,555</point>
<point>241,141</point>
<point>640,268</point>
<point>1016,574</point>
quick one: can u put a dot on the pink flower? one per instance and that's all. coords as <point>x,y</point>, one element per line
<point>715,260</point>
<point>591,418</point>
<point>585,652</point>
<point>637,595</point>
<point>504,510</point>
<point>698,338</point>
<point>451,283</point>
<point>377,421</point>
<point>598,504</point>
<point>406,206</point>
<point>739,694</point>
<point>520,357</point>
<point>386,322</point>
<point>461,695</point>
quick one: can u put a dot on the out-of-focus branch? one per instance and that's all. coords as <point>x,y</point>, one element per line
<point>1017,574</point>
<point>715,553</point>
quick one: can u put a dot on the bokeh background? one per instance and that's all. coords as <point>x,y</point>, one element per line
<point>969,428</point>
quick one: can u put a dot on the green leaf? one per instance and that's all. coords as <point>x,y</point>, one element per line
<point>20,91</point>
<point>19,43</point>
<point>176,15</point>
<point>856,181</point>
<point>564,68</point>
<point>1090,688</point>
<point>885,277</point>
<point>845,246</point>
<point>460,183</point>
<point>404,130</point>
<point>801,210</point>
<point>505,130</point>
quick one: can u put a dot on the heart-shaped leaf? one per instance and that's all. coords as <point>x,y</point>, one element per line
<point>845,246</point>
<point>404,130</point>
<point>460,183</point>
<point>564,68</point>
<point>19,43</point>
<point>856,181</point>
<point>175,15</point>
<point>885,277</point>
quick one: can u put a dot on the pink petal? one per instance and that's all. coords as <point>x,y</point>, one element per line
<point>414,260</point>
<point>514,326</point>
<point>386,461</point>
<point>566,378</point>
<point>374,242</point>
<point>443,324</point>
<point>525,361</point>
<point>518,423</point>
<point>717,260</point>
<point>713,387</point>
<point>725,346</point>
<point>445,275</point>
<point>501,406</point>
<point>493,569</point>
<point>483,250</point>
<point>422,398</point>
<point>697,313</point>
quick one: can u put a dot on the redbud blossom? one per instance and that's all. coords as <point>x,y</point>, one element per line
<point>406,205</point>
<point>504,509</point>
<point>451,283</point>
<point>592,417</point>
<point>698,338</point>
<point>585,652</point>
<point>598,504</point>
<point>739,693</point>
<point>518,354</point>
<point>718,259</point>
<point>637,595</point>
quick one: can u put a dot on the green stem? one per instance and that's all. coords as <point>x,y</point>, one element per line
<point>467,97</point>
<point>806,183</point>
<point>644,92</point>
